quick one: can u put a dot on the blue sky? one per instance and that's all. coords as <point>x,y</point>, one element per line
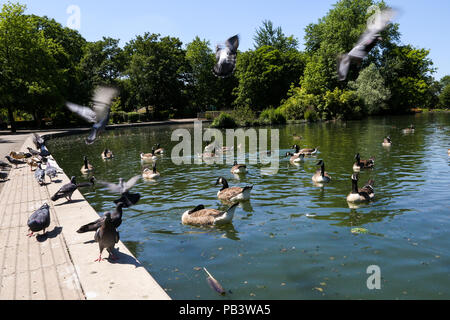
<point>423,23</point>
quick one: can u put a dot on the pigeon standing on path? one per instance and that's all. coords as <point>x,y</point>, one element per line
<point>99,114</point>
<point>14,161</point>
<point>107,236</point>
<point>66,190</point>
<point>51,172</point>
<point>226,57</point>
<point>369,39</point>
<point>39,220</point>
<point>39,174</point>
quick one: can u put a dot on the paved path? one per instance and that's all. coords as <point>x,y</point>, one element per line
<point>60,265</point>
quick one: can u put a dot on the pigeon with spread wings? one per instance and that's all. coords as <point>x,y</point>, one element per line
<point>123,188</point>
<point>99,114</point>
<point>379,21</point>
<point>226,57</point>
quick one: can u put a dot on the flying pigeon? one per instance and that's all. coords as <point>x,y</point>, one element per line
<point>106,236</point>
<point>39,220</point>
<point>99,114</point>
<point>66,191</point>
<point>116,218</point>
<point>369,39</point>
<point>123,188</point>
<point>226,57</point>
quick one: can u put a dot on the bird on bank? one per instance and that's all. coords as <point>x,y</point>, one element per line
<point>100,112</point>
<point>4,165</point>
<point>87,167</point>
<point>151,173</point>
<point>38,141</point>
<point>321,175</point>
<point>33,152</point>
<point>33,162</point>
<point>44,151</point>
<point>234,193</point>
<point>199,216</point>
<point>363,164</point>
<point>366,193</point>
<point>39,174</point>
<point>3,175</point>
<point>379,21</point>
<point>51,172</point>
<point>226,57</point>
<point>116,220</point>
<point>295,158</point>
<point>411,129</point>
<point>20,155</point>
<point>305,151</point>
<point>49,161</point>
<point>107,236</point>
<point>66,191</point>
<point>238,168</point>
<point>387,142</point>
<point>107,154</point>
<point>39,220</point>
<point>14,161</point>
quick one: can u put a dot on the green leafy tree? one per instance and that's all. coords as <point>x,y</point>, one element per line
<point>267,35</point>
<point>445,97</point>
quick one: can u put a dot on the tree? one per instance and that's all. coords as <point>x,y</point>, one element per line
<point>445,97</point>
<point>268,36</point>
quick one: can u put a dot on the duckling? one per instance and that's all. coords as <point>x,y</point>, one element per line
<point>232,194</point>
<point>107,154</point>
<point>238,168</point>
<point>306,151</point>
<point>363,164</point>
<point>199,216</point>
<point>87,167</point>
<point>360,195</point>
<point>387,142</point>
<point>159,150</point>
<point>296,158</point>
<point>409,130</point>
<point>321,175</point>
<point>151,174</point>
<point>149,156</point>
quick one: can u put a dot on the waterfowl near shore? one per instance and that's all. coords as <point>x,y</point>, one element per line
<point>159,150</point>
<point>87,167</point>
<point>411,129</point>
<point>360,195</point>
<point>199,216</point>
<point>234,193</point>
<point>238,168</point>
<point>306,151</point>
<point>363,164</point>
<point>149,156</point>
<point>387,142</point>
<point>107,154</point>
<point>151,173</point>
<point>295,158</point>
<point>321,175</point>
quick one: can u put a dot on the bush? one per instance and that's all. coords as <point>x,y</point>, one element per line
<point>224,120</point>
<point>272,116</point>
<point>299,101</point>
<point>244,116</point>
<point>341,104</point>
<point>117,117</point>
<point>133,117</point>
<point>311,115</point>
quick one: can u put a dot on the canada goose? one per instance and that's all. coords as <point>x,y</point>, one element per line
<point>363,164</point>
<point>359,195</point>
<point>238,168</point>
<point>149,156</point>
<point>151,174</point>
<point>306,152</point>
<point>409,130</point>
<point>234,193</point>
<point>158,150</point>
<point>297,137</point>
<point>87,167</point>
<point>387,142</point>
<point>321,175</point>
<point>199,216</point>
<point>296,158</point>
<point>107,154</point>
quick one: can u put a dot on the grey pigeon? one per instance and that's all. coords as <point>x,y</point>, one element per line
<point>4,165</point>
<point>116,219</point>
<point>107,236</point>
<point>14,161</point>
<point>369,39</point>
<point>39,174</point>
<point>226,57</point>
<point>51,172</point>
<point>128,199</point>
<point>39,220</point>
<point>99,114</point>
<point>44,151</point>
<point>3,175</point>
<point>33,152</point>
<point>66,191</point>
<point>37,140</point>
<point>123,188</point>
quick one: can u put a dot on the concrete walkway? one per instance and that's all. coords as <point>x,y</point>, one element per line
<point>60,265</point>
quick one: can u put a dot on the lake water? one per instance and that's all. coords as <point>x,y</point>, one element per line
<point>293,239</point>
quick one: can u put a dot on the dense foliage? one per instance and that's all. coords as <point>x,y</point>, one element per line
<point>43,64</point>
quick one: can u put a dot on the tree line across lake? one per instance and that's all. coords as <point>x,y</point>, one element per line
<point>43,65</point>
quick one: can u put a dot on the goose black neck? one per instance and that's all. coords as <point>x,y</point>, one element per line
<point>225,184</point>
<point>322,169</point>
<point>354,186</point>
<point>85,163</point>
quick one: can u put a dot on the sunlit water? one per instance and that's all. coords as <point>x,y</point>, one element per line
<point>273,250</point>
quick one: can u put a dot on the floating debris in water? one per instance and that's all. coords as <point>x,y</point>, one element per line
<point>214,283</point>
<point>311,215</point>
<point>359,230</point>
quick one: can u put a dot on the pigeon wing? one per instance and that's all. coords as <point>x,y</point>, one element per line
<point>233,43</point>
<point>84,112</point>
<point>130,183</point>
